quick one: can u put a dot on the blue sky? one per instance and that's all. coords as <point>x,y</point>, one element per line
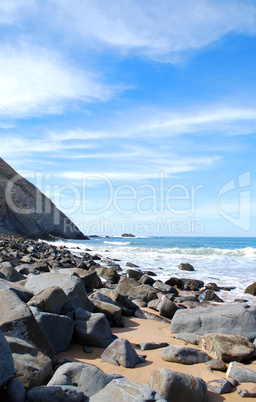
<point>134,116</point>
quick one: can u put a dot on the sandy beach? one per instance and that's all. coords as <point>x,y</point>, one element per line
<point>145,330</point>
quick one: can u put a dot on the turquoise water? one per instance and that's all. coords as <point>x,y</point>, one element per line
<point>227,261</point>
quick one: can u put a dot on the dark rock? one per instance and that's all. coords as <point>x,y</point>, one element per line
<point>121,353</point>
<point>225,319</point>
<point>58,328</point>
<point>167,308</point>
<point>244,393</point>
<point>251,289</point>
<point>94,332</point>
<point>15,391</point>
<point>146,280</point>
<point>124,390</point>
<point>163,287</point>
<point>178,387</point>
<point>24,210</point>
<point>220,386</point>
<point>67,393</point>
<point>150,273</point>
<point>131,265</point>
<point>193,284</point>
<point>17,320</point>
<point>7,371</point>
<point>88,378</point>
<point>132,273</point>
<point>10,273</point>
<point>175,282</point>
<point>209,295</point>
<point>189,337</point>
<point>109,274</point>
<point>216,364</point>
<point>240,372</point>
<point>50,300</point>
<point>87,349</point>
<point>227,347</point>
<point>71,285</point>
<point>212,286</point>
<point>111,311</point>
<point>186,267</point>
<point>131,288</point>
<point>184,355</point>
<point>17,288</point>
<point>152,345</point>
<point>127,235</point>
<point>89,278</point>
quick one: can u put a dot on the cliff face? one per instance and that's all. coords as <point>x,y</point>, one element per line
<point>26,211</point>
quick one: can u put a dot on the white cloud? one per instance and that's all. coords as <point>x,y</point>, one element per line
<point>159,29</point>
<point>35,81</point>
<point>12,11</point>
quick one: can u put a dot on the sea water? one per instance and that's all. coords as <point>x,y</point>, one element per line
<point>226,261</point>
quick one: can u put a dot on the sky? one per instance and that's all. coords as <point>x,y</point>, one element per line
<point>134,116</point>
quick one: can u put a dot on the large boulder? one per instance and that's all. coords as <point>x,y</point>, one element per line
<point>129,287</point>
<point>185,266</point>
<point>239,372</point>
<point>121,353</point>
<point>178,387</point>
<point>184,355</point>
<point>10,273</point>
<point>95,331</point>
<point>251,289</point>
<point>167,308</point>
<point>112,312</point>
<point>110,274</point>
<point>65,393</point>
<point>58,328</point>
<point>72,286</point>
<point>32,367</point>
<point>227,347</point>
<point>51,300</point>
<point>235,318</point>
<point>7,371</point>
<point>17,320</point>
<point>88,378</point>
<point>124,390</point>
<point>17,288</point>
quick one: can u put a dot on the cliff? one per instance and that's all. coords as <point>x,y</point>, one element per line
<point>26,211</point>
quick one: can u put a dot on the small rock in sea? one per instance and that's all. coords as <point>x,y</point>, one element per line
<point>212,286</point>
<point>185,266</point>
<point>131,265</point>
<point>193,284</point>
<point>209,295</point>
<point>220,386</point>
<point>251,289</point>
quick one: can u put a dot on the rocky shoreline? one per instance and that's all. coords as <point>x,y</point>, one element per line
<point>52,299</point>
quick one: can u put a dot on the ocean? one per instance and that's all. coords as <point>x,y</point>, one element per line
<point>226,261</point>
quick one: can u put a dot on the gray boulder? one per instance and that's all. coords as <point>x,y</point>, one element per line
<point>94,332</point>
<point>245,393</point>
<point>133,273</point>
<point>111,311</point>
<point>189,337</point>
<point>121,353</point>
<point>209,295</point>
<point>17,288</point>
<point>15,391</point>
<point>251,289</point>
<point>185,266</point>
<point>110,274</point>
<point>129,287</point>
<point>178,387</point>
<point>216,364</point>
<point>241,373</point>
<point>167,308</point>
<point>32,367</point>
<point>51,300</point>
<point>10,273</point>
<point>146,280</point>
<point>65,393</point>
<point>86,377</point>
<point>228,318</point>
<point>58,328</point>
<point>124,390</point>
<point>72,286</point>
<point>227,347</point>
<point>164,288</point>
<point>7,371</point>
<point>152,345</point>
<point>184,355</point>
<point>220,386</point>
<point>17,320</point>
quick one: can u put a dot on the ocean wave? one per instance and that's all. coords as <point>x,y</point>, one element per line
<point>117,243</point>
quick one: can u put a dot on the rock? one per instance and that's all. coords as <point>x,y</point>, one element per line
<point>82,314</point>
<point>225,319</point>
<point>212,286</point>
<point>50,300</point>
<point>24,210</point>
<point>58,328</point>
<point>251,289</point>
<point>153,304</point>
<point>227,347</point>
<point>152,345</point>
<point>121,353</point>
<point>89,278</point>
<point>131,265</point>
<point>132,273</point>
<point>209,295</point>
<point>124,390</point>
<point>70,284</point>
<point>146,280</point>
<point>220,386</point>
<point>150,273</point>
<point>20,291</point>
<point>189,337</point>
<point>175,282</point>
<point>193,284</point>
<point>87,349</point>
<point>32,367</point>
<point>109,274</point>
<point>86,377</point>
<point>216,364</point>
<point>163,287</point>
<point>167,308</point>
<point>244,393</point>
<point>67,393</point>
<point>131,288</point>
<point>186,267</point>
<point>184,355</point>
<point>10,273</point>
<point>7,371</point>
<point>127,235</point>
<point>240,372</point>
<point>111,311</point>
<point>15,391</point>
<point>178,387</point>
<point>17,320</point>
<point>94,332</point>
